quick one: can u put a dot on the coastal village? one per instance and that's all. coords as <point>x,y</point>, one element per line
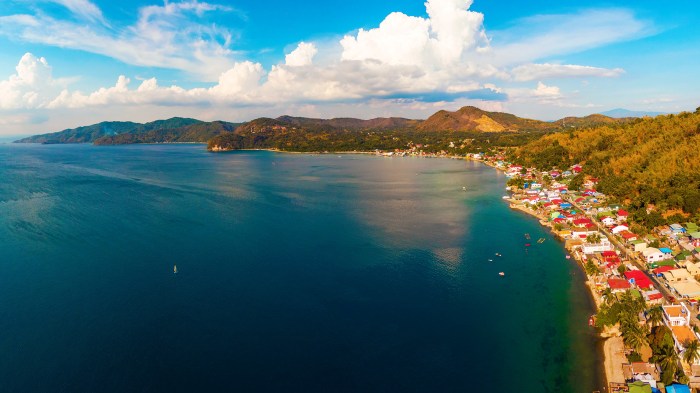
<point>644,283</point>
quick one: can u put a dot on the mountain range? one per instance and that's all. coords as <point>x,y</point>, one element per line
<point>466,119</point>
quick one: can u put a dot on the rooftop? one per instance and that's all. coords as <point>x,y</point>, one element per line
<point>675,311</point>
<point>689,288</point>
<point>683,333</point>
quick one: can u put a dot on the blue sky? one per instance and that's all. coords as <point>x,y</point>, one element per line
<point>65,63</point>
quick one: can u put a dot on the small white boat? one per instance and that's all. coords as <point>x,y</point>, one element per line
<point>501,274</point>
<point>464,188</point>
<point>174,269</point>
<point>490,260</point>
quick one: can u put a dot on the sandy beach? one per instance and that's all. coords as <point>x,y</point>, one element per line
<point>613,348</point>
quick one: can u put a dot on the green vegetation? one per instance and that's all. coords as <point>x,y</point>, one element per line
<point>468,130</point>
<point>198,132</point>
<point>593,238</point>
<point>692,351</point>
<point>623,311</point>
<point>591,268</point>
<point>95,132</point>
<point>280,135</point>
<point>645,162</point>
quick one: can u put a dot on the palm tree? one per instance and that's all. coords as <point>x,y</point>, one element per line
<point>634,336</point>
<point>622,269</point>
<point>593,238</point>
<point>608,296</point>
<point>591,269</point>
<point>668,360</point>
<point>691,352</point>
<point>655,316</point>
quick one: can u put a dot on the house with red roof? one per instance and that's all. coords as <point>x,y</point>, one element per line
<point>663,269</point>
<point>618,285</point>
<point>622,215</point>
<point>628,236</point>
<point>653,297</point>
<point>582,221</point>
<point>638,278</point>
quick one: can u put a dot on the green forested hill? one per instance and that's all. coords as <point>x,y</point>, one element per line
<point>646,161</point>
<point>92,133</point>
<point>86,134</point>
<point>268,133</point>
<point>199,132</point>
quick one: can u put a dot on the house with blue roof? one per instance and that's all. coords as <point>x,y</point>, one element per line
<point>677,228</point>
<point>667,251</point>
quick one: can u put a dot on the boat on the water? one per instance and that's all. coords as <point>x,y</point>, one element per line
<point>540,240</point>
<point>174,269</point>
<point>501,274</point>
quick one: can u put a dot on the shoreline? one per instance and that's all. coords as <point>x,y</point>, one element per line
<point>609,347</point>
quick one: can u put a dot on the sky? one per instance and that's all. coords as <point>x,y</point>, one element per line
<point>67,63</point>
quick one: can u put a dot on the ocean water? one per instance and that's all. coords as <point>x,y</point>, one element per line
<point>296,273</point>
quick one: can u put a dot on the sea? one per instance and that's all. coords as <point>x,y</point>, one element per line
<point>295,273</point>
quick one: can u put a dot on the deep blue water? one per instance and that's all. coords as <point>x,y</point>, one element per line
<point>297,273</point>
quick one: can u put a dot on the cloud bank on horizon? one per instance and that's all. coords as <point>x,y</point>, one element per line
<point>406,63</point>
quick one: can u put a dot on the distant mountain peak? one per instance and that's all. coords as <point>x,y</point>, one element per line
<point>619,113</point>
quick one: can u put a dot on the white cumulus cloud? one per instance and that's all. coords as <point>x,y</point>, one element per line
<point>31,86</point>
<point>303,55</point>
<point>446,56</point>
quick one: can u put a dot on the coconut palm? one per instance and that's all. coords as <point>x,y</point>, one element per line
<point>593,238</point>
<point>691,352</point>
<point>655,316</point>
<point>634,336</point>
<point>608,296</point>
<point>591,269</point>
<point>668,360</point>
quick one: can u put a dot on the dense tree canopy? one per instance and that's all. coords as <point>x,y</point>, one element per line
<point>648,161</point>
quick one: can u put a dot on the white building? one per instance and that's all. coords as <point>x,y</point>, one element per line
<point>677,315</point>
<point>619,229</point>
<point>592,248</point>
<point>608,221</point>
<point>652,255</point>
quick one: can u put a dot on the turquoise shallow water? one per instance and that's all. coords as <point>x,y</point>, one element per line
<point>296,273</point>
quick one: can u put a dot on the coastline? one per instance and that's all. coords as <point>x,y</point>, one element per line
<point>611,350</point>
